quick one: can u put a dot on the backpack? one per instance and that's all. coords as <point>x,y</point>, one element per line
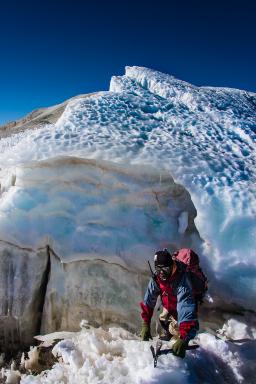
<point>190,261</point>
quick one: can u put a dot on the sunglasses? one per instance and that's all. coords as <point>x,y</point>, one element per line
<point>165,270</point>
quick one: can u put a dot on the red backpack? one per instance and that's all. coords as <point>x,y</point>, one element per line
<point>198,279</point>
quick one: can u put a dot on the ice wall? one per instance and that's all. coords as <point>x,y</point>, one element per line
<point>101,222</point>
<point>106,293</point>
<point>22,289</point>
<point>90,209</point>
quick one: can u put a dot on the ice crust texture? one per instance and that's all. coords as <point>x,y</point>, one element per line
<point>203,136</point>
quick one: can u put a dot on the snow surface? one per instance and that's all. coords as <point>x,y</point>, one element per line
<point>117,356</point>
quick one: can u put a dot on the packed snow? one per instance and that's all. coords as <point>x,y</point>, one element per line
<point>95,355</point>
<point>204,137</point>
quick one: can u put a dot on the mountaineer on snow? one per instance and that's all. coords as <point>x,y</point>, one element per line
<point>179,293</point>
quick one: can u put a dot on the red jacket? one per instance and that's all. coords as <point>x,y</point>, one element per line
<point>177,298</point>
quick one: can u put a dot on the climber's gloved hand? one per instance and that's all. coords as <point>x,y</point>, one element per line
<point>179,348</point>
<point>145,332</point>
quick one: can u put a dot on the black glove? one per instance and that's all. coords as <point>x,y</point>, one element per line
<point>145,332</point>
<point>179,348</point>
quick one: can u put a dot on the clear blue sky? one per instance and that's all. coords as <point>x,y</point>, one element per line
<point>52,50</point>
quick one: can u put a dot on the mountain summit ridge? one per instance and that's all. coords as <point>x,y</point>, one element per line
<point>51,114</point>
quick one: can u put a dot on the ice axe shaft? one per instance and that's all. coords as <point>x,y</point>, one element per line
<point>156,352</point>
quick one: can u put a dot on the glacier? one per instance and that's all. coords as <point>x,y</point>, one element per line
<point>153,162</point>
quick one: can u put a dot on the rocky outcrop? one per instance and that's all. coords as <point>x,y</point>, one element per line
<point>37,118</point>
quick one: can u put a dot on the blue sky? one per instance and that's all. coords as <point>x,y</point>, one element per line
<point>52,50</point>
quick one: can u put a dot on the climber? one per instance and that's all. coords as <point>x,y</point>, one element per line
<point>178,319</point>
